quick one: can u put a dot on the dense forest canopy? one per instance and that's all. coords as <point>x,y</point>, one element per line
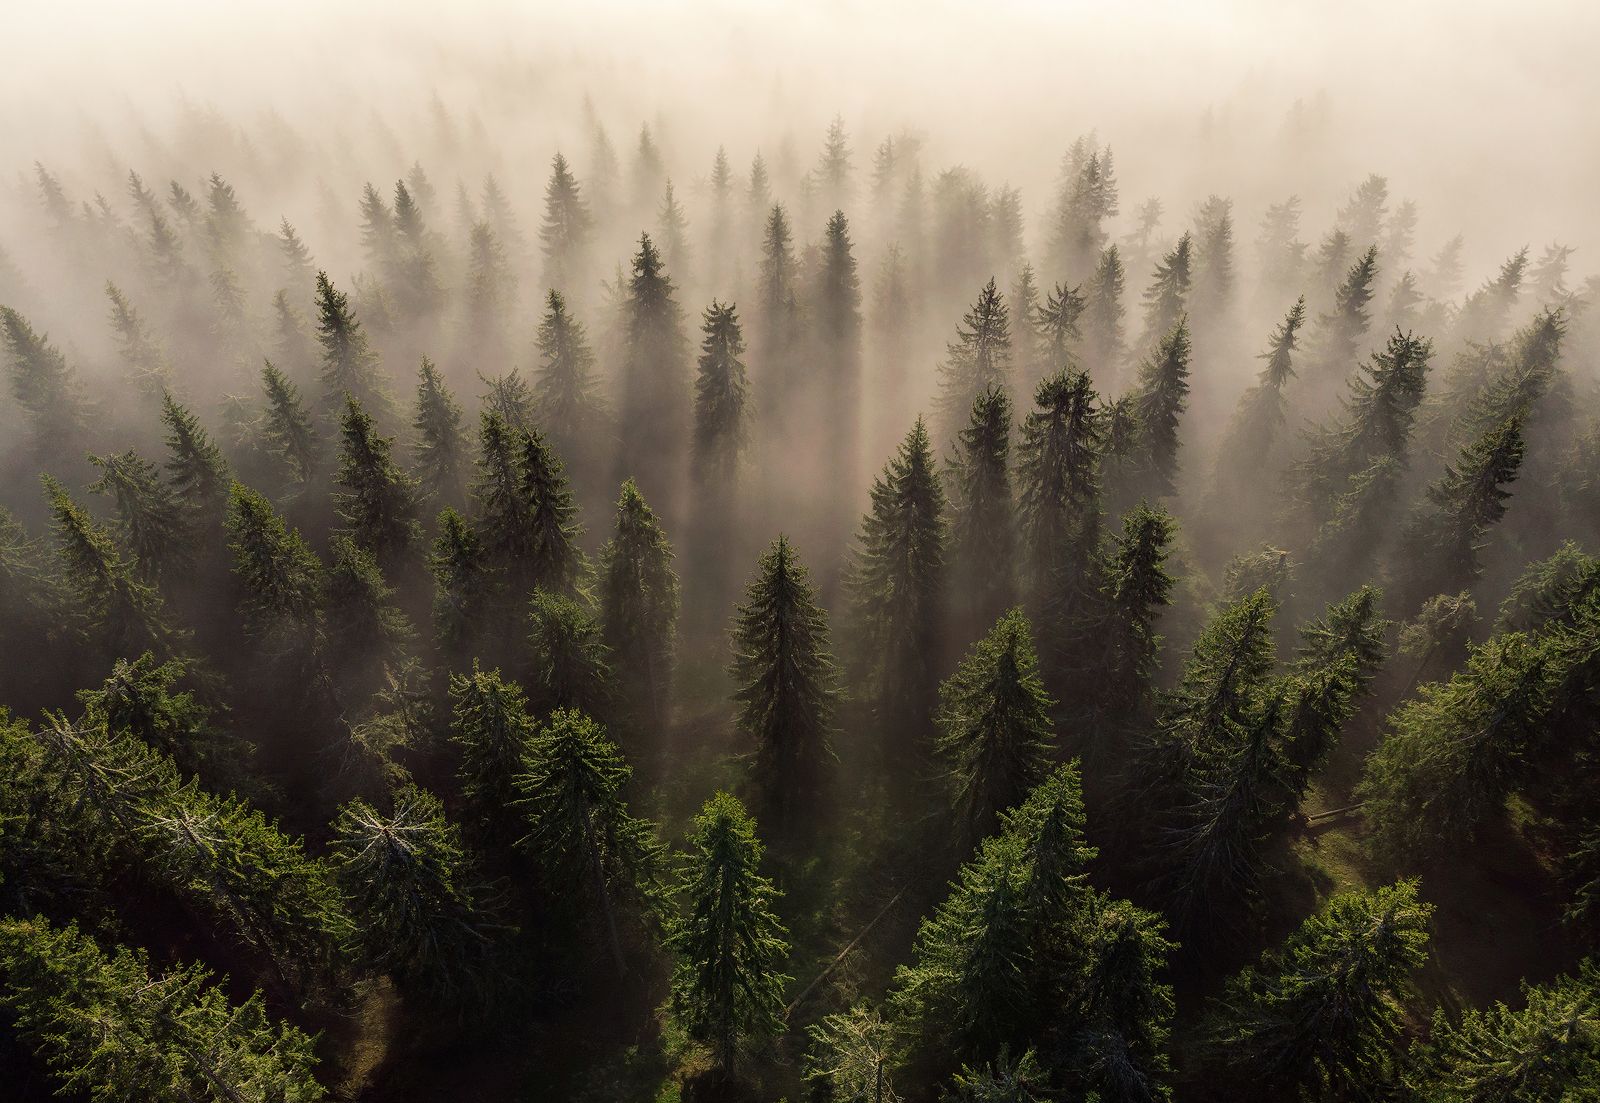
<point>803,553</point>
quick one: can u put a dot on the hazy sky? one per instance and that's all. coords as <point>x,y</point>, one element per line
<point>1481,111</point>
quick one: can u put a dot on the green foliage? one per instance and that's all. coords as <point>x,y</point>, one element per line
<point>288,429</point>
<point>349,366</point>
<point>730,946</point>
<point>421,912</point>
<point>464,585</point>
<point>979,359</point>
<point>896,584</point>
<point>152,526</point>
<point>110,1028</point>
<point>280,579</point>
<point>720,398</point>
<point>994,724</point>
<point>377,500</point>
<point>1547,1051</point>
<point>569,664</point>
<point>1321,1015</point>
<point>1160,401</point>
<point>852,1057</point>
<point>195,466</point>
<point>439,447</point>
<point>982,516</point>
<point>140,697</point>
<point>45,386</point>
<point>639,606</point>
<point>490,725</point>
<point>580,832</point>
<point>786,683</point>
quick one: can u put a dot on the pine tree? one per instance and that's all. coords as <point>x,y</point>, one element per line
<point>580,831</point>
<point>777,330</point>
<point>1456,750</point>
<point>978,359</point>
<point>152,527</point>
<point>1161,400</point>
<point>1167,297</point>
<point>196,469</point>
<point>439,446</point>
<point>423,915</point>
<point>141,354</point>
<point>140,698</point>
<point>1321,1015</point>
<point>1058,480</point>
<point>834,174</point>
<point>464,586</point>
<point>897,587</point>
<point>553,560</point>
<point>566,400</point>
<point>1344,330</point>
<point>787,685</point>
<point>836,311</point>
<point>1214,272</point>
<point>298,270</point>
<point>108,1026</point>
<point>639,606</point>
<point>1439,548</point>
<point>1059,324</point>
<point>994,725</point>
<point>123,614</point>
<point>1247,446</point>
<point>569,664</point>
<point>729,944</point>
<point>564,234</point>
<point>287,428</point>
<point>672,226</point>
<point>489,723</point>
<point>46,387</point>
<point>852,1057</point>
<point>349,366</point>
<point>377,500</point>
<point>1102,316</point>
<point>983,522</point>
<point>1137,587</point>
<point>719,402</point>
<point>279,577</point>
<point>654,410</point>
<point>364,629</point>
<point>490,287</point>
<point>1546,1051</point>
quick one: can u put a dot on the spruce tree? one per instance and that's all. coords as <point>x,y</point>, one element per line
<point>983,516</point>
<point>377,501</point>
<point>719,403</point>
<point>978,359</point>
<point>730,946</point>
<point>439,447</point>
<point>142,355</point>
<point>1102,316</point>
<point>464,586</point>
<point>638,593</point>
<point>1167,298</point>
<point>569,664</point>
<point>123,615</point>
<point>349,366</point>
<point>580,831</point>
<point>1247,446</point>
<point>1058,480</point>
<point>897,588</point>
<point>107,1025</point>
<point>786,685</point>
<point>288,430</point>
<point>1321,1015</point>
<point>196,469</point>
<point>1439,547</point>
<point>566,399</point>
<point>1137,588</point>
<point>151,524</point>
<point>1161,400</point>
<point>45,387</point>
<point>994,725</point>
<point>489,723</point>
<point>1060,327</point>
<point>654,408</point>
<point>836,327</point>
<point>279,577</point>
<point>564,234</point>
<point>1344,330</point>
<point>423,913</point>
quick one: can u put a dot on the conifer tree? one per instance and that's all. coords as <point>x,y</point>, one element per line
<point>1059,325</point>
<point>123,614</point>
<point>423,915</point>
<point>1058,479</point>
<point>107,1025</point>
<point>1321,1015</point>
<point>287,428</point>
<point>439,447</point>
<point>982,522</point>
<point>1161,401</point>
<point>786,684</point>
<point>376,500</point>
<point>1137,587</point>
<point>1439,548</point>
<point>140,698</point>
<point>151,524</point>
<point>279,577</point>
<point>553,559</point>
<point>141,353</point>
<point>363,627</point>
<point>580,831</point>
<point>489,723</point>
<point>490,285</point>
<point>1167,298</point>
<point>730,946</point>
<point>464,586</point>
<point>994,725</point>
<point>1546,1051</point>
<point>349,366</point>
<point>195,466</point>
<point>654,411</point>
<point>44,386</point>
<point>1345,328</point>
<point>672,225</point>
<point>564,234</point>
<point>978,359</point>
<point>1102,316</point>
<point>836,312</point>
<point>569,665</point>
<point>639,606</point>
<point>566,400</point>
<point>719,402</point>
<point>897,587</point>
<point>1248,443</point>
<point>778,316</point>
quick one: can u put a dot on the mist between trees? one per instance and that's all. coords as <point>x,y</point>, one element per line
<point>791,614</point>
